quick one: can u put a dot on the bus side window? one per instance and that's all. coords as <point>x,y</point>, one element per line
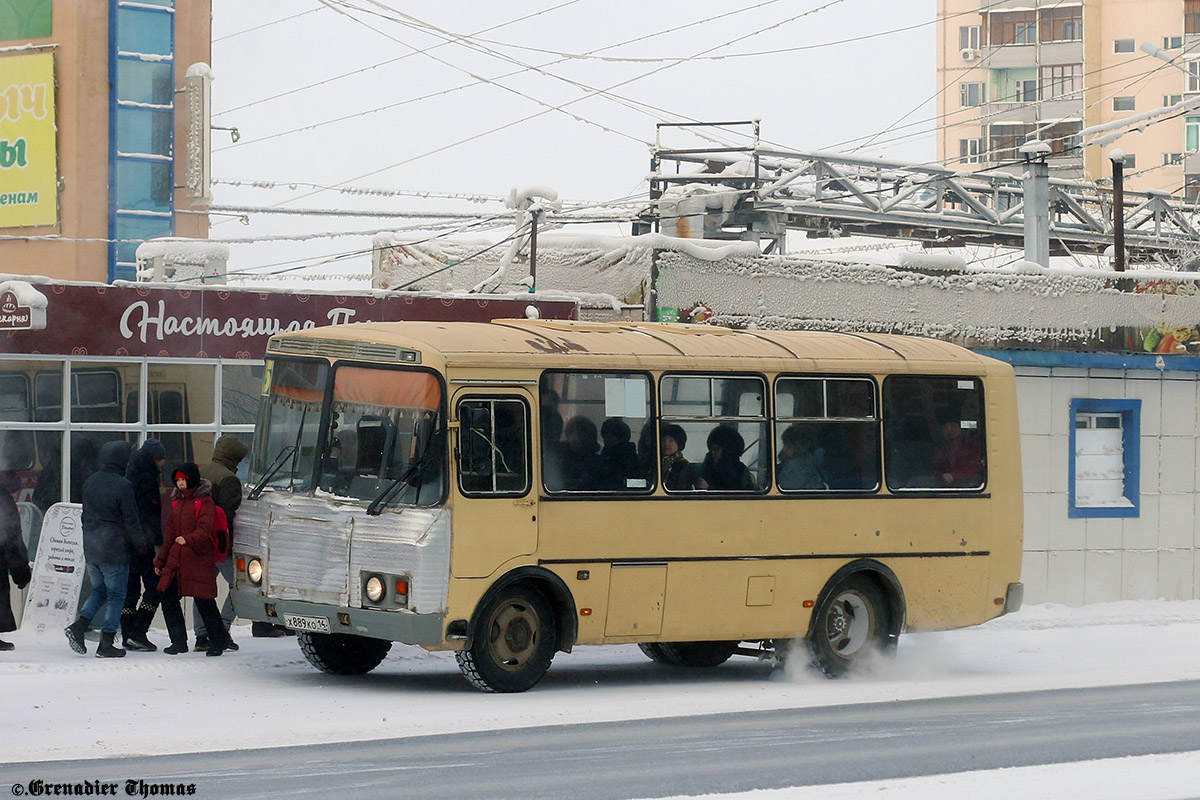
<point>493,446</point>
<point>594,451</point>
<point>723,421</point>
<point>933,433</point>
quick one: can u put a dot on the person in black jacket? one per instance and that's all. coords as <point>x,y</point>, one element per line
<point>110,523</point>
<point>144,471</point>
<point>14,559</point>
<point>723,470</point>
<point>619,457</point>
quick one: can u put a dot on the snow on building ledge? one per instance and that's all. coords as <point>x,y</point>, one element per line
<point>175,260</point>
<point>594,268</point>
<point>1155,311</point>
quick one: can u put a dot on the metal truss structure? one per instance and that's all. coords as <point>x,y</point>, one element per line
<point>829,194</point>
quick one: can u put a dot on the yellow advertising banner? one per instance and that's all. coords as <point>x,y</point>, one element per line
<point>28,145</point>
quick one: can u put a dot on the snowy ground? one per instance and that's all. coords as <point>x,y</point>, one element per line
<point>58,705</point>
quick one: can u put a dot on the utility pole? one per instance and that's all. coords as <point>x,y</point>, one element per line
<point>533,249</point>
<point>1118,176</point>
<point>1036,207</point>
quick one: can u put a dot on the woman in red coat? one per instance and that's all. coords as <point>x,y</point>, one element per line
<point>186,563</point>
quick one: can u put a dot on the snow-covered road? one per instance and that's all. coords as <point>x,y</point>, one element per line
<point>58,705</point>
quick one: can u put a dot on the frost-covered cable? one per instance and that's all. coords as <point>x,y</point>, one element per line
<point>385,63</point>
<point>265,25</point>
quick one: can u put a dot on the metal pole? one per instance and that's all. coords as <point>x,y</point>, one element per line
<point>1037,212</point>
<point>1118,175</point>
<point>533,251</point>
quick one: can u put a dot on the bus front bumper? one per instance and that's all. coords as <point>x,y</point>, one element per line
<point>394,626</point>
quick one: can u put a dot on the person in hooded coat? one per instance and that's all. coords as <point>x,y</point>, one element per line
<point>110,524</point>
<point>141,595</point>
<point>186,564</point>
<point>723,469</point>
<point>14,558</point>
<point>221,472</point>
<point>618,456</point>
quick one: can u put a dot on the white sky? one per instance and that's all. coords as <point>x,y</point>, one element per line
<point>63,706</point>
<point>820,98</point>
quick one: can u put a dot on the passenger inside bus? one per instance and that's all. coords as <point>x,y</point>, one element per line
<point>618,458</point>
<point>580,455</point>
<point>800,460</point>
<point>958,458</point>
<point>677,473</point>
<point>723,469</point>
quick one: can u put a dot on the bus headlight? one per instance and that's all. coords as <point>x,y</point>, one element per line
<point>374,589</point>
<point>254,571</point>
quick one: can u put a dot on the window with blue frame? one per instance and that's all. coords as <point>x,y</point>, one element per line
<point>1105,458</point>
<point>142,107</point>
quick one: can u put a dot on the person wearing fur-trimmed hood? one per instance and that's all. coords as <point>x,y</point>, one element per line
<point>186,564</point>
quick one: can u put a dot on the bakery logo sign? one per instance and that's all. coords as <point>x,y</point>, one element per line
<point>16,317</point>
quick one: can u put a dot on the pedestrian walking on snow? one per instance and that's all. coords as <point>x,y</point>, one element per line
<point>221,472</point>
<point>186,563</point>
<point>110,524</point>
<point>141,595</point>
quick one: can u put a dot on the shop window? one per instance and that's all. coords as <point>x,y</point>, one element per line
<point>1104,458</point>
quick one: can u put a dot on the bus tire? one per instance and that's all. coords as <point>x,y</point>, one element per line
<point>340,654</point>
<point>512,641</point>
<point>699,654</point>
<point>849,624</point>
<point>654,652</point>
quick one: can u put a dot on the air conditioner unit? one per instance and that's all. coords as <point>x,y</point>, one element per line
<point>969,55</point>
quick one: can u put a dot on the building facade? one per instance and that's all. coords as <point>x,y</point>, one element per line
<point>95,132</point>
<point>1013,70</point>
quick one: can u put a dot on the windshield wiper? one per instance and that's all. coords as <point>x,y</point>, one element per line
<point>415,469</point>
<point>288,449</point>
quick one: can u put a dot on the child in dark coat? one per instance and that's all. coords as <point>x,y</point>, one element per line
<point>187,564</point>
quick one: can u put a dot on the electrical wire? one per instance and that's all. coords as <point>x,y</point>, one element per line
<point>265,25</point>
<point>384,63</point>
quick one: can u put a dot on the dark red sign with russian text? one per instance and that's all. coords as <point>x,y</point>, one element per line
<point>229,323</point>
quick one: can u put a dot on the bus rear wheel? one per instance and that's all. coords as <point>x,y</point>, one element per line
<point>848,626</point>
<point>512,643</point>
<point>339,654</point>
<point>690,654</point>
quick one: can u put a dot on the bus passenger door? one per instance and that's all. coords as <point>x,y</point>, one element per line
<point>495,507</point>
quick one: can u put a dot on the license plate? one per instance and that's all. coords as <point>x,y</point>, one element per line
<point>300,623</point>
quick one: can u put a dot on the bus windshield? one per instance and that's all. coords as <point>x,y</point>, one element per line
<point>382,438</point>
<point>289,417</point>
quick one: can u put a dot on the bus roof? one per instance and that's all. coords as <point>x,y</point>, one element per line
<point>566,344</point>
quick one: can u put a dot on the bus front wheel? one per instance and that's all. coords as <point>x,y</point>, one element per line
<point>339,654</point>
<point>512,643</point>
<point>848,626</point>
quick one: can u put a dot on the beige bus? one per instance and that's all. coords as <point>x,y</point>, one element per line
<point>511,489</point>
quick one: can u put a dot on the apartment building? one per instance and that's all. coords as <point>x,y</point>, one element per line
<point>95,132</point>
<point>1014,70</point>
